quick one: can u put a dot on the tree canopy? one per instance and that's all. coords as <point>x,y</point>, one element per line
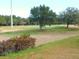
<point>5,20</point>
<point>70,16</point>
<point>42,15</point>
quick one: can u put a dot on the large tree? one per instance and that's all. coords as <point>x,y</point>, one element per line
<point>43,15</point>
<point>69,16</point>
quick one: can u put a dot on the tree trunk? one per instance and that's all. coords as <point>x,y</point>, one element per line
<point>40,27</point>
<point>67,25</point>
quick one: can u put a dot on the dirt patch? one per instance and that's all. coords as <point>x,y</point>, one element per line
<point>45,38</point>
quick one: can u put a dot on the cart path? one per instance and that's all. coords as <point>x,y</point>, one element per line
<point>45,38</point>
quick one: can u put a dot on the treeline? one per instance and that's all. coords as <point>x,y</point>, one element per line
<point>42,15</point>
<point>6,20</point>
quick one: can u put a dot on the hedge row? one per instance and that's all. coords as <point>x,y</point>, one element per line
<point>16,44</point>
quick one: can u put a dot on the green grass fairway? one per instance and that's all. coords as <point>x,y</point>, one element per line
<point>62,49</point>
<point>34,29</point>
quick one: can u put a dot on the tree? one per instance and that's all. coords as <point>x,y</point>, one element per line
<point>69,16</point>
<point>51,18</point>
<point>42,15</point>
<point>2,20</point>
<point>5,20</point>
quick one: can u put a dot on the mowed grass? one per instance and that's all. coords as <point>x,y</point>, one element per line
<point>62,49</point>
<point>34,29</point>
<point>18,28</point>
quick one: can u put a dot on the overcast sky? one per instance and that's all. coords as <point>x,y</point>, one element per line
<point>22,7</point>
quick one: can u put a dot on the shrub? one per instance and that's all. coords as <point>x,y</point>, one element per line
<point>16,44</point>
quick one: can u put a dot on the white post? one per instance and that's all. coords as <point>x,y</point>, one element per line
<point>11,15</point>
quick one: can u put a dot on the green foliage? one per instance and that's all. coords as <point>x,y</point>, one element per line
<point>42,15</point>
<point>70,16</point>
<point>6,20</point>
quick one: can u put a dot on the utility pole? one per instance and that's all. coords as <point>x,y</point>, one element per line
<point>11,15</point>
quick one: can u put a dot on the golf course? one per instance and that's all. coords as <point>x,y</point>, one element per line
<point>54,41</point>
